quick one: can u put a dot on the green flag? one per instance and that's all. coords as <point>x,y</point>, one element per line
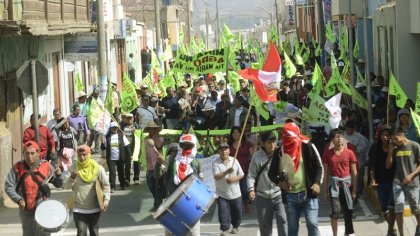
<point>306,55</point>
<point>317,79</point>
<point>319,110</point>
<point>287,46</point>
<point>227,34</point>
<point>318,50</point>
<point>181,46</point>
<point>360,78</point>
<point>109,101</point>
<point>274,37</point>
<point>238,43</point>
<point>260,55</point>
<point>263,110</point>
<point>343,43</point>
<point>78,83</point>
<point>357,98</point>
<point>356,50</point>
<point>155,65</point>
<point>289,66</point>
<point>280,106</point>
<point>297,55</point>
<point>396,90</point>
<point>94,113</point>
<point>329,33</point>
<point>416,120</point>
<point>129,101</point>
<point>234,80</point>
<point>417,109</point>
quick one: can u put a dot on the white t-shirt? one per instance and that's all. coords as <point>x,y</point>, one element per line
<point>223,189</point>
<point>237,120</point>
<point>115,146</point>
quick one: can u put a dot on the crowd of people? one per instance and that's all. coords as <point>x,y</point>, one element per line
<point>282,171</point>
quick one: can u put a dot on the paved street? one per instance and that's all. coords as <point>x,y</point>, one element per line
<point>129,214</point>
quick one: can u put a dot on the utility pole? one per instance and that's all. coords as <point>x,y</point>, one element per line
<point>189,22</point>
<point>217,23</point>
<point>296,20</point>
<point>277,22</point>
<point>35,106</point>
<point>103,70</point>
<point>207,26</point>
<point>158,30</point>
<point>350,46</point>
<point>367,74</point>
<point>321,31</point>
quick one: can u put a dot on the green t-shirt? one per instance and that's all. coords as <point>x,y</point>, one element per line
<point>299,178</point>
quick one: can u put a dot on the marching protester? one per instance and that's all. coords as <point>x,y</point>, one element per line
<point>153,144</point>
<point>56,116</point>
<point>177,167</point>
<point>67,143</point>
<point>340,180</point>
<point>146,113</point>
<point>129,127</point>
<point>381,178</point>
<point>79,123</point>
<point>406,156</point>
<point>228,172</point>
<point>46,140</point>
<point>246,149</point>
<point>26,185</point>
<point>267,195</point>
<point>302,195</point>
<point>88,201</point>
<point>117,153</point>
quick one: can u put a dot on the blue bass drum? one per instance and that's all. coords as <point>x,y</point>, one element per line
<point>185,207</point>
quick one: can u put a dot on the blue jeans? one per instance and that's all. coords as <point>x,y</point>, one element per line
<point>244,190</point>
<point>296,203</point>
<point>230,212</point>
<point>386,196</point>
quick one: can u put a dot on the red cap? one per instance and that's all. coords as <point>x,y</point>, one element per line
<point>199,89</point>
<point>31,144</point>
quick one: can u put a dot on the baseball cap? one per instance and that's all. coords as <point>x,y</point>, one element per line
<point>113,125</point>
<point>199,89</point>
<point>223,145</point>
<point>403,111</point>
<point>32,144</point>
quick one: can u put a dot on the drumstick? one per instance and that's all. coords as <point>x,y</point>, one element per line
<point>51,175</point>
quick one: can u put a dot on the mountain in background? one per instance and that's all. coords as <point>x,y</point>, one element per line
<point>237,14</point>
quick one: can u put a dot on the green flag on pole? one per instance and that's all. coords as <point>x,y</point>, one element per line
<point>329,33</point>
<point>356,50</point>
<point>129,101</point>
<point>227,34</point>
<point>234,80</point>
<point>287,46</point>
<point>289,66</point>
<point>360,78</point>
<point>417,109</point>
<point>343,43</point>
<point>273,35</point>
<point>318,50</point>
<point>396,90</point>
<point>109,101</point>
<point>79,84</point>
<point>416,120</point>
<point>316,81</point>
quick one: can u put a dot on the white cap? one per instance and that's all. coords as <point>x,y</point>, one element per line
<point>113,124</point>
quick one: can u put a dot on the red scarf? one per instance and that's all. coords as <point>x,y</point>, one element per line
<point>292,142</point>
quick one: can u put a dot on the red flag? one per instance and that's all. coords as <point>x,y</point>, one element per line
<point>267,80</point>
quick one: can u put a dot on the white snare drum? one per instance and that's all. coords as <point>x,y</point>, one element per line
<point>51,215</point>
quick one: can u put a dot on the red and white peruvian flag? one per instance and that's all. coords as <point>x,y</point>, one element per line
<point>267,80</point>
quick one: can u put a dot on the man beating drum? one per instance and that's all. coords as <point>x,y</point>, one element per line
<point>91,192</point>
<point>27,185</point>
<point>176,169</point>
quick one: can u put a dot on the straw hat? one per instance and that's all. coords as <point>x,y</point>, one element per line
<point>151,125</point>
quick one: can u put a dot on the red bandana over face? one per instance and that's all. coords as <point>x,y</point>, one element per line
<point>292,142</point>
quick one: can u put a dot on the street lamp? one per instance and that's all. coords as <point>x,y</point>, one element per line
<point>269,12</point>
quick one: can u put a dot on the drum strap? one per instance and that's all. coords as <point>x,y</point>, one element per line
<point>41,186</point>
